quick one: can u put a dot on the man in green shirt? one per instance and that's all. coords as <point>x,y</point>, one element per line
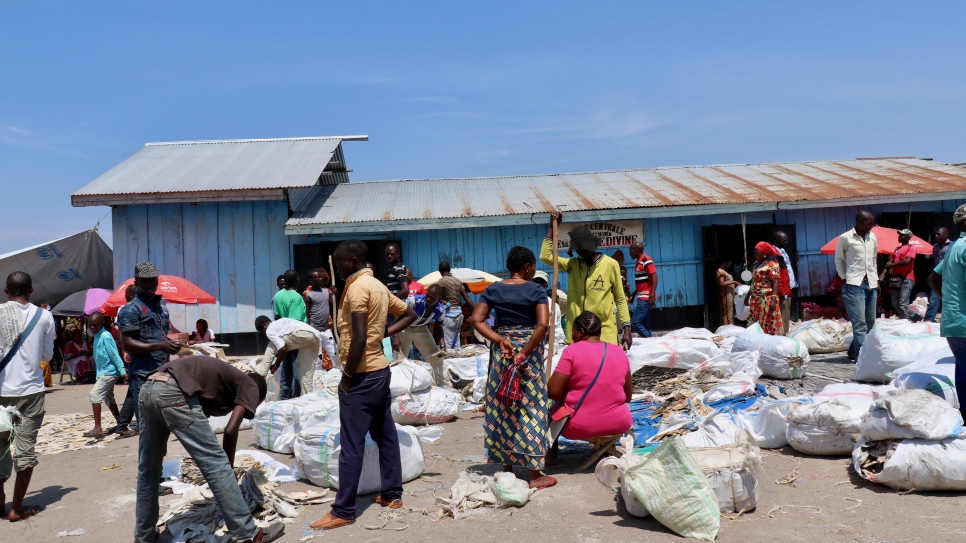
<point>594,284</point>
<point>948,281</point>
<point>289,304</point>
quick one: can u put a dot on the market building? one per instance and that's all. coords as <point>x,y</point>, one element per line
<point>231,215</point>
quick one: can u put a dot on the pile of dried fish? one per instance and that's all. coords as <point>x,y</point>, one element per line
<point>682,401</point>
<point>214,350</point>
<point>65,432</point>
<point>874,454</point>
<point>195,518</point>
<point>649,377</point>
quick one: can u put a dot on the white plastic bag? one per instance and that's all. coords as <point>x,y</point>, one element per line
<point>670,353</point>
<point>736,386</point>
<point>431,406</point>
<point>317,452</point>
<point>465,369</point>
<point>734,363</point>
<point>409,376</point>
<point>910,414</point>
<point>822,335</point>
<point>276,424</point>
<point>218,423</point>
<point>729,330</point>
<point>829,425</point>
<point>917,464</point>
<point>769,424</point>
<point>935,372</point>
<point>742,311</point>
<point>884,351</point>
<point>781,357</point>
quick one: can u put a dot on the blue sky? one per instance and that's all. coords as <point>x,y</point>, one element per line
<point>468,89</point>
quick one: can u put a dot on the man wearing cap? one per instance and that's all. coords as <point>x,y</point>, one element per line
<point>594,285</point>
<point>948,281</point>
<point>645,290</point>
<point>855,263</point>
<point>902,263</point>
<point>144,327</point>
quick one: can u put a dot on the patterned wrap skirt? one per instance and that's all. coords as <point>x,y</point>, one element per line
<point>517,435</point>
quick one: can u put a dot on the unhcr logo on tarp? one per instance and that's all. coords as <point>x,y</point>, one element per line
<point>69,275</point>
<point>49,252</point>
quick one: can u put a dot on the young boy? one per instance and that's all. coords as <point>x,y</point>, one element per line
<point>110,368</point>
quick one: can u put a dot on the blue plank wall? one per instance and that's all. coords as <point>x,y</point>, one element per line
<point>232,250</point>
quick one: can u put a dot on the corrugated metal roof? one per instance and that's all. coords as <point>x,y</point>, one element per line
<point>422,203</point>
<point>219,166</point>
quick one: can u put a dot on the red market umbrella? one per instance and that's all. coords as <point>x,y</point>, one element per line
<point>888,242</point>
<point>174,289</point>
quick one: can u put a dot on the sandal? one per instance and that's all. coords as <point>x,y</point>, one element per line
<point>330,522</point>
<point>392,504</point>
<point>93,435</point>
<point>128,433</point>
<point>28,510</point>
<point>549,482</point>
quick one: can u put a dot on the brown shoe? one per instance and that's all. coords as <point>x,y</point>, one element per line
<point>330,522</point>
<point>392,504</point>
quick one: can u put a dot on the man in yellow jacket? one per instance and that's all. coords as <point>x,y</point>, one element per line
<point>594,284</point>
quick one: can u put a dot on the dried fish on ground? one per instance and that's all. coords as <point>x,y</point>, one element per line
<point>680,401</point>
<point>648,377</point>
<point>873,456</point>
<point>65,432</point>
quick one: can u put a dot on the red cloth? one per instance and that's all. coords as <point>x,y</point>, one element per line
<point>901,253</point>
<point>784,283</point>
<point>767,248</point>
<point>415,287</point>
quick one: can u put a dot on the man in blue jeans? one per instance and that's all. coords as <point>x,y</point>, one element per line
<point>144,326</point>
<point>178,399</point>
<point>645,290</point>
<point>855,262</point>
<point>948,281</point>
<point>941,238</point>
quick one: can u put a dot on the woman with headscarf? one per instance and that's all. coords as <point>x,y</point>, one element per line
<point>763,300</point>
<point>516,421</point>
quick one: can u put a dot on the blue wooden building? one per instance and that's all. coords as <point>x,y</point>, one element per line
<point>232,215</point>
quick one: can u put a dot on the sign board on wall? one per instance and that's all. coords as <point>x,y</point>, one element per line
<point>615,234</point>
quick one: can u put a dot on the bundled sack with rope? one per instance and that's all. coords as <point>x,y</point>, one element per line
<point>885,351</point>
<point>317,452</point>
<point>781,357</point>
<point>409,376</point>
<point>935,373</point>
<point>769,425</point>
<point>829,425</point>
<point>431,406</point>
<point>823,335</point>
<point>685,353</point>
<point>276,424</point>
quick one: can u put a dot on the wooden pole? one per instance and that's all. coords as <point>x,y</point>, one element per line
<point>553,290</point>
<point>335,304</point>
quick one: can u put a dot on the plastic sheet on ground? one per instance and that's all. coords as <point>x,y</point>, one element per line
<point>884,351</point>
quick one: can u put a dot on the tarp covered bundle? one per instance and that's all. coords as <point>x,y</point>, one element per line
<point>62,267</point>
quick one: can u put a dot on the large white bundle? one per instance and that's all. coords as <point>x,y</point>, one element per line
<point>742,311</point>
<point>317,452</point>
<point>736,386</point>
<point>781,357</point>
<point>733,472</point>
<point>769,424</point>
<point>670,353</point>
<point>218,424</point>
<point>691,333</point>
<point>276,424</point>
<point>911,414</point>
<point>903,327</point>
<point>915,464</point>
<point>431,406</point>
<point>408,376</point>
<point>465,369</point>
<point>884,352</point>
<point>822,335</point>
<point>727,344</point>
<point>828,425</point>
<point>744,362</point>
<point>935,373</point>
<point>729,330</point>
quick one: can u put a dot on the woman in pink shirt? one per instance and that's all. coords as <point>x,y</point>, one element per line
<point>604,410</point>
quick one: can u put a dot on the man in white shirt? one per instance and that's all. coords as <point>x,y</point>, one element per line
<point>855,262</point>
<point>26,339</point>
<point>286,335</point>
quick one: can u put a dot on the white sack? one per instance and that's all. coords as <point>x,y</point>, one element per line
<point>729,330</point>
<point>733,472</point>
<point>736,386</point>
<point>884,352</point>
<point>431,406</point>
<point>908,414</point>
<point>733,363</point>
<point>690,333</point>
<point>465,369</point>
<point>742,311</point>
<point>769,424</point>
<point>277,424</point>
<point>935,373</point>
<point>781,357</point>
<point>317,454</point>
<point>408,376</point>
<point>822,335</point>
<point>920,464</point>
<point>829,425</point>
<point>218,424</point>
<point>670,353</point>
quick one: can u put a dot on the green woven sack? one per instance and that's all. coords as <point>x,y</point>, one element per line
<point>675,491</point>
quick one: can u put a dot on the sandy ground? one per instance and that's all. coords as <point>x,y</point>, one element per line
<point>77,493</point>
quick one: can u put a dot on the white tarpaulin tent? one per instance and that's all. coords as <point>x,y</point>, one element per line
<point>62,267</point>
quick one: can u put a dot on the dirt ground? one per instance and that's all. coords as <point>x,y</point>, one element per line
<point>829,502</point>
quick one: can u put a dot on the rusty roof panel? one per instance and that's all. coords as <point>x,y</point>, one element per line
<point>434,199</point>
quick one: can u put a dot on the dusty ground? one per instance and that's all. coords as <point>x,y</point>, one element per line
<point>77,493</point>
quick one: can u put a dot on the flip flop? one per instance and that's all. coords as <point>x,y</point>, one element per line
<point>392,504</point>
<point>29,511</point>
<point>330,522</point>
<point>549,484</point>
<point>111,430</point>
<point>128,433</point>
<point>93,435</point>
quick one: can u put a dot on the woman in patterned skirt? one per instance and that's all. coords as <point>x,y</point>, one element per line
<point>515,426</point>
<point>726,292</point>
<point>764,290</point>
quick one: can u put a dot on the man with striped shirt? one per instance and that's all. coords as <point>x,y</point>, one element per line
<point>645,290</point>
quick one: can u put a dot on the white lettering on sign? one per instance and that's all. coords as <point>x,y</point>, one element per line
<point>611,234</point>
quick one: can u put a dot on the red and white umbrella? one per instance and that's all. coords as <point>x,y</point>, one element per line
<point>174,289</point>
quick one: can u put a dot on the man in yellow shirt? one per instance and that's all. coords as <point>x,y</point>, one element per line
<point>364,397</point>
<point>594,284</point>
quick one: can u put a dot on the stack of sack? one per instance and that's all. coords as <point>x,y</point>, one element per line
<point>912,440</point>
<point>829,424</point>
<point>317,452</point>
<point>935,373</point>
<point>888,348</point>
<point>415,398</point>
<point>276,424</point>
<point>822,335</point>
<point>781,357</point>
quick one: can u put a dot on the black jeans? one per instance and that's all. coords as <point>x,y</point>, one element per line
<point>127,410</point>
<point>289,387</point>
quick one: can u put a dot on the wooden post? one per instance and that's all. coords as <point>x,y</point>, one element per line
<point>334,304</point>
<point>553,290</point>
